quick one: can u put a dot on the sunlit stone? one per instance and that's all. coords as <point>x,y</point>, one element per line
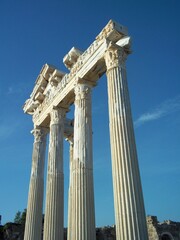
<point>49,101</point>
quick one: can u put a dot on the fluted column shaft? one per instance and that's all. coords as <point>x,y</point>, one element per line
<point>83,214</point>
<point>71,149</point>
<point>54,211</point>
<point>33,227</point>
<point>128,199</point>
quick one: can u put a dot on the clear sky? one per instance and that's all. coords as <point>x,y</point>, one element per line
<point>33,33</point>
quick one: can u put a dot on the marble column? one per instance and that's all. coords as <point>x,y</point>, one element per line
<point>83,213</point>
<point>54,210</point>
<point>128,198</point>
<point>71,149</point>
<point>33,227</point>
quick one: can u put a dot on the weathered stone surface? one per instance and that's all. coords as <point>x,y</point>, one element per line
<point>167,230</point>
<point>128,199</point>
<point>33,226</point>
<point>89,65</point>
<point>71,58</point>
<point>83,212</point>
<point>54,211</point>
<point>70,139</point>
<point>52,96</point>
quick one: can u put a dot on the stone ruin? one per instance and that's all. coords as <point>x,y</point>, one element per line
<point>53,94</point>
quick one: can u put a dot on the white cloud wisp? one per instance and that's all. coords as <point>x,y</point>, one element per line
<point>167,107</point>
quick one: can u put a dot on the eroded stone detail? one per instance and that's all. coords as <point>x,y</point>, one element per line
<point>82,194</point>
<point>115,57</point>
<point>128,199</point>
<point>57,115</point>
<point>39,134</point>
<point>82,91</point>
<point>33,227</point>
<point>71,58</point>
<point>54,217</point>
<point>109,29</point>
<point>52,96</point>
<point>40,106</point>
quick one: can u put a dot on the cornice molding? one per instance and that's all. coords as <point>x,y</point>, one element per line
<point>56,89</point>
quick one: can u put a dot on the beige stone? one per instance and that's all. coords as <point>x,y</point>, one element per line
<point>128,199</point>
<point>51,97</point>
<point>33,227</point>
<point>54,211</point>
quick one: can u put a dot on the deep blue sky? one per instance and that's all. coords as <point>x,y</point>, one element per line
<point>33,33</point>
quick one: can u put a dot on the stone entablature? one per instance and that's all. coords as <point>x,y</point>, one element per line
<point>54,88</point>
<point>71,58</point>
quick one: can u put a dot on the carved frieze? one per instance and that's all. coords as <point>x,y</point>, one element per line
<point>111,31</point>
<point>39,96</point>
<point>56,77</point>
<point>53,87</point>
<point>71,58</point>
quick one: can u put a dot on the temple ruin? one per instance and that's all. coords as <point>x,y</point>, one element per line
<point>53,94</point>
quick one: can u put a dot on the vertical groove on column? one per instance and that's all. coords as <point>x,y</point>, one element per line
<point>54,211</point>
<point>128,198</point>
<point>70,203</point>
<point>33,227</point>
<point>127,168</point>
<point>83,213</point>
<point>138,193</point>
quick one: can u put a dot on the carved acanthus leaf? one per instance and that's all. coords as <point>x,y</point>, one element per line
<point>82,91</point>
<point>39,134</point>
<point>115,57</point>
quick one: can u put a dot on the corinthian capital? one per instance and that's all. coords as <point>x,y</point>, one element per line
<point>115,57</point>
<point>82,91</point>
<point>57,115</point>
<point>39,134</point>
